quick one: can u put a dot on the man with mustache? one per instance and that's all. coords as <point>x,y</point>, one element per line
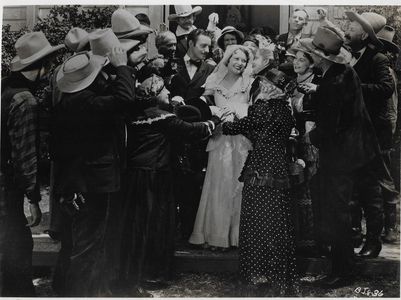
<point>377,84</point>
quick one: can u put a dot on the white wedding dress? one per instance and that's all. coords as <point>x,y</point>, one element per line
<point>217,219</point>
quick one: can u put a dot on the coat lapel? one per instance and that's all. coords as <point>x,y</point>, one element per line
<point>199,73</point>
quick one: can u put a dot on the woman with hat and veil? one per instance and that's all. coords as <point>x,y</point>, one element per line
<point>217,219</point>
<point>266,233</point>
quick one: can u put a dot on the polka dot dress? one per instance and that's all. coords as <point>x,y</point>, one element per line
<point>266,238</point>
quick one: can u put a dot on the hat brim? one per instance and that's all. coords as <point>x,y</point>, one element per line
<point>143,30</point>
<point>239,35</point>
<point>66,86</point>
<point>353,16</point>
<point>195,11</point>
<point>128,44</point>
<point>82,44</point>
<point>343,57</point>
<point>390,46</point>
<point>206,113</point>
<point>17,65</point>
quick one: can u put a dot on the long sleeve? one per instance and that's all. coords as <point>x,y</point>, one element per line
<point>23,129</point>
<point>174,126</point>
<point>121,97</point>
<point>382,85</point>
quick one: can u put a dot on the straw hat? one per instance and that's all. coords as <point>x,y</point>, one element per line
<point>102,41</point>
<point>184,11</point>
<point>76,39</point>
<point>31,47</point>
<point>79,71</point>
<point>386,36</point>
<point>327,44</point>
<point>371,23</point>
<point>124,25</point>
<point>231,30</point>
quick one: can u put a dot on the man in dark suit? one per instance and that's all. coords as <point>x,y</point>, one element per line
<point>191,159</point>
<point>377,84</point>
<point>86,156</point>
<point>347,145</point>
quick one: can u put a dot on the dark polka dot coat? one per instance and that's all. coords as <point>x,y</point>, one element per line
<point>266,239</point>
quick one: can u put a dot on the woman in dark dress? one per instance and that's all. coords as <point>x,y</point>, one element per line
<point>148,223</point>
<point>266,249</point>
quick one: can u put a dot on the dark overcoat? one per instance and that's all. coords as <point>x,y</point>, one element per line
<point>86,136</point>
<point>377,87</point>
<point>344,132</point>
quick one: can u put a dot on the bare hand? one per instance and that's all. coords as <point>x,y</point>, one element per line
<point>307,88</point>
<point>36,215</point>
<point>118,57</point>
<point>137,57</point>
<point>177,100</point>
<point>214,18</point>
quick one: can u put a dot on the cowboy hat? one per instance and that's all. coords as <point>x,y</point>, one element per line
<point>231,30</point>
<point>31,47</point>
<point>371,23</point>
<point>76,39</point>
<point>102,41</point>
<point>125,25</point>
<point>79,71</point>
<point>327,44</point>
<point>184,11</point>
<point>386,36</point>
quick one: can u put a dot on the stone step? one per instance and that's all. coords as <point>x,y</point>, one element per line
<point>194,260</point>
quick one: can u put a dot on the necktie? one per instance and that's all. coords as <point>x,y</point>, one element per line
<point>196,63</point>
<point>357,55</point>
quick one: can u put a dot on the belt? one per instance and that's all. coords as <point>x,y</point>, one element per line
<point>253,178</point>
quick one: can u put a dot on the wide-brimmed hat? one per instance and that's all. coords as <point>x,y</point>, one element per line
<point>386,36</point>
<point>184,11</point>
<point>102,41</point>
<point>31,47</point>
<point>231,30</point>
<point>125,25</point>
<point>327,44</point>
<point>79,71</point>
<point>202,106</point>
<point>371,22</point>
<point>76,39</point>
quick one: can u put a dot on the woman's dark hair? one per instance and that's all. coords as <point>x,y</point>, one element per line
<point>143,18</point>
<point>309,57</point>
<point>194,35</point>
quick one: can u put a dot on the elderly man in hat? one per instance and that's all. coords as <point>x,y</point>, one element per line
<point>185,17</point>
<point>373,70</point>
<point>390,194</point>
<point>19,155</point>
<point>346,141</point>
<point>86,153</point>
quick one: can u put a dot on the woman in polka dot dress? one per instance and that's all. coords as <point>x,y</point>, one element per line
<point>267,242</point>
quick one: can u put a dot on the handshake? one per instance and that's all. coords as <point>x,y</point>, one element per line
<point>226,114</point>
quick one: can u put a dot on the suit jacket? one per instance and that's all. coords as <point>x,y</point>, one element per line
<point>377,87</point>
<point>86,129</point>
<point>344,132</point>
<point>182,46</point>
<point>182,85</point>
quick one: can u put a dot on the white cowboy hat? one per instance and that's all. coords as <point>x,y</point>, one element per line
<point>386,36</point>
<point>184,11</point>
<point>76,39</point>
<point>79,71</point>
<point>371,23</point>
<point>124,25</point>
<point>327,44</point>
<point>31,47</point>
<point>102,41</point>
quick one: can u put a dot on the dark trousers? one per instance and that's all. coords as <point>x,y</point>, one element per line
<point>16,245</point>
<point>335,217</point>
<point>390,193</point>
<point>369,197</point>
<point>88,274</point>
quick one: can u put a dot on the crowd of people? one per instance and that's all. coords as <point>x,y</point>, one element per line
<point>275,146</point>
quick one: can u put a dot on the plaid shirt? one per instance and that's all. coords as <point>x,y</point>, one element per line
<point>22,127</point>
